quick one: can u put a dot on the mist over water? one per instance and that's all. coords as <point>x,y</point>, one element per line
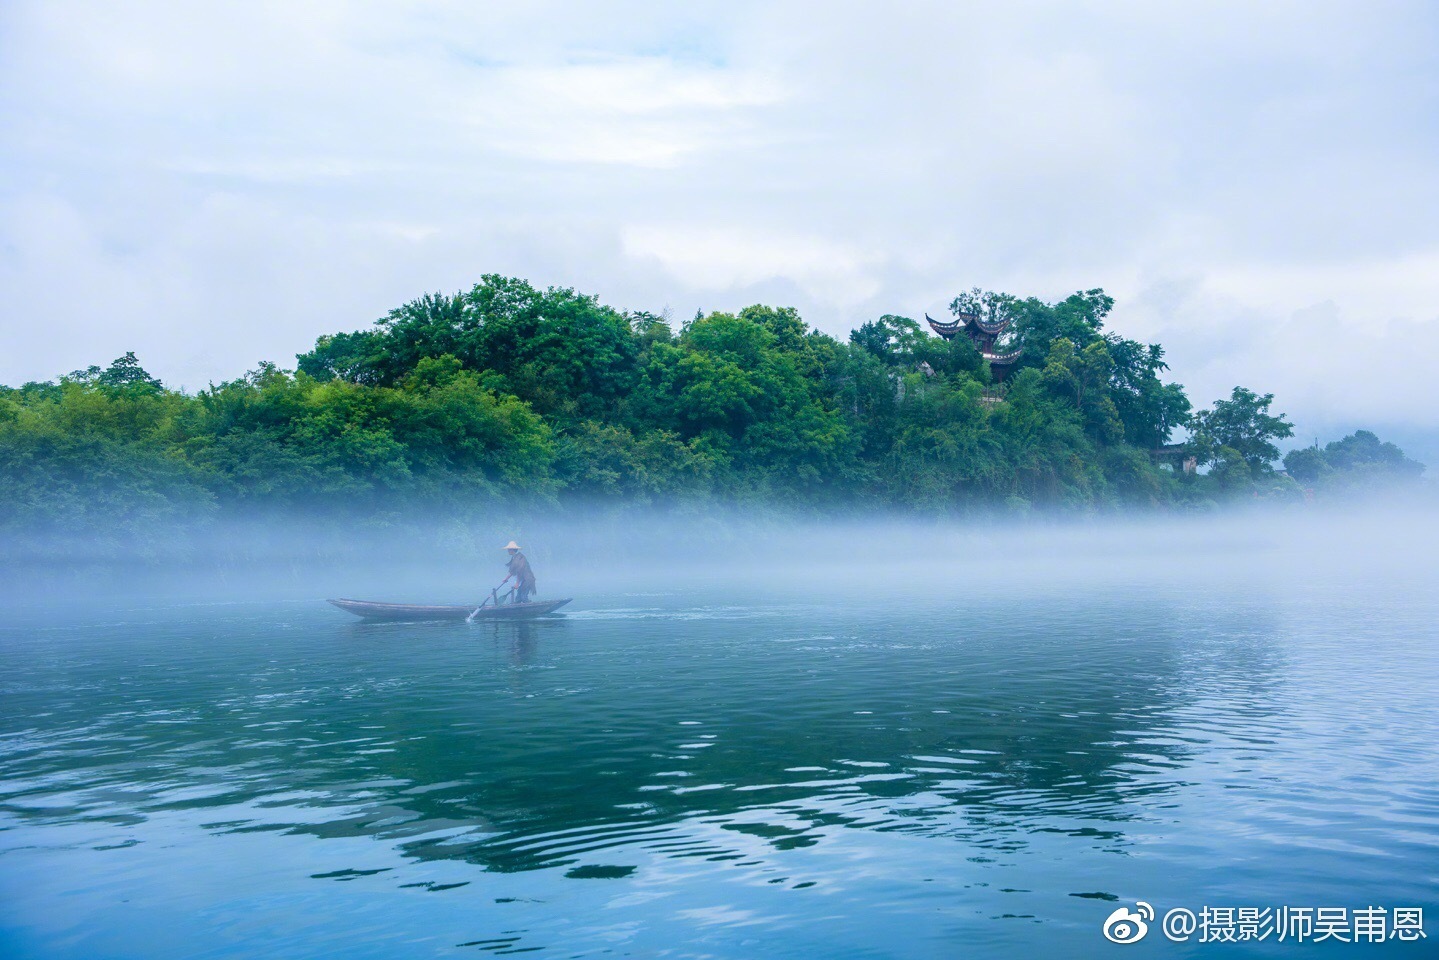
<point>445,557</point>
<point>749,737</point>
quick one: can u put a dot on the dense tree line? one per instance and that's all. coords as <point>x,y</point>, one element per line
<point>511,394</point>
<point>1359,462</point>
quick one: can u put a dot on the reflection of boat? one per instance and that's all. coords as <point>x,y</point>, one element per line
<point>407,611</point>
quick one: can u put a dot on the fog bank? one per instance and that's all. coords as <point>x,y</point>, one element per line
<point>734,556</point>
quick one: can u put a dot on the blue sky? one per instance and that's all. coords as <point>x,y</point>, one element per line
<point>211,185</point>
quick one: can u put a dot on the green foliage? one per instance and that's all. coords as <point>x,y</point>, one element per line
<point>1358,463</point>
<point>1150,410</point>
<point>356,357</point>
<point>1114,380</point>
<point>126,373</point>
<point>1051,459</point>
<point>96,458</point>
<point>1306,465</point>
<point>890,338</point>
<point>1237,436</point>
<point>563,353</point>
<point>507,392</point>
<point>736,387</point>
<point>1084,377</point>
<point>292,439</point>
<point>1036,325</point>
<point>608,461</point>
<point>991,307</point>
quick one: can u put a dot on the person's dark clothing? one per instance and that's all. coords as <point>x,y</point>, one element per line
<point>519,568</point>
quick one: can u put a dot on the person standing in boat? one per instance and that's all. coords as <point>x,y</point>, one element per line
<point>520,571</point>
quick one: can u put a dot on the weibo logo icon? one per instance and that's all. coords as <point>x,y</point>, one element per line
<point>1128,926</point>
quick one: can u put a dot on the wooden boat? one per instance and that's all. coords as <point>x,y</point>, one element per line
<point>406,611</point>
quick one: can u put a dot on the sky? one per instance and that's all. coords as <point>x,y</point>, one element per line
<point>212,185</point>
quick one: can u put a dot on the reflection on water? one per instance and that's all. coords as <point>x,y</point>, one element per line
<point>716,780</point>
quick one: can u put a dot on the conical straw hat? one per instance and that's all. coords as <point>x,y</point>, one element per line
<point>512,545</point>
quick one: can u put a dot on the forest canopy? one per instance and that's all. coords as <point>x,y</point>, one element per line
<point>507,393</point>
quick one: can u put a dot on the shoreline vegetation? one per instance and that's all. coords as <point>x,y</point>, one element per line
<point>508,399</point>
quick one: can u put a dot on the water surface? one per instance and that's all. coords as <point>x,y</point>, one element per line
<point>687,775</point>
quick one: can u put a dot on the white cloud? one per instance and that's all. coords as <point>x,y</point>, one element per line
<point>716,259</point>
<point>648,112</point>
<point>1385,289</point>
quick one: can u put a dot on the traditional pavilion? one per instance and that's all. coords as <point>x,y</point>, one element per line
<point>983,334</point>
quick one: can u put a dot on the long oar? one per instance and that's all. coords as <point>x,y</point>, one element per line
<point>475,612</point>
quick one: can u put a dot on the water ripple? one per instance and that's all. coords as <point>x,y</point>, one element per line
<point>781,769</point>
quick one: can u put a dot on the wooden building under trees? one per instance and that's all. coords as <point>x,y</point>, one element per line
<point>983,334</point>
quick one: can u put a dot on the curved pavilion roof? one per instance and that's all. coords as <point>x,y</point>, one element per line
<point>969,321</point>
<point>981,332</point>
<point>1002,359</point>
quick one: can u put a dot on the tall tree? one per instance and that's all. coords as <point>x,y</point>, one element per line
<point>1240,430</point>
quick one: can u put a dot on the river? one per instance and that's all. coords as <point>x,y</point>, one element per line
<point>979,772</point>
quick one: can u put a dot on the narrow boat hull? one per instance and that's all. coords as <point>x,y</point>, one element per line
<point>407,611</point>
